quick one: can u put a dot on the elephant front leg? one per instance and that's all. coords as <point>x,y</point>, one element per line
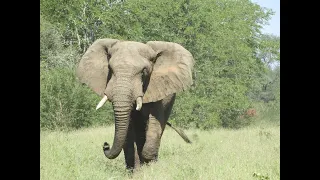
<point>140,132</point>
<point>130,150</point>
<point>155,128</point>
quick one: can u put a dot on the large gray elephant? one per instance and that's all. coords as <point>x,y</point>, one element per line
<point>141,80</point>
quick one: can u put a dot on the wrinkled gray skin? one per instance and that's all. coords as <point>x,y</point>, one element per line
<point>126,70</point>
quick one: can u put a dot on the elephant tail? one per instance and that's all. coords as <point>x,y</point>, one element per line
<point>181,133</point>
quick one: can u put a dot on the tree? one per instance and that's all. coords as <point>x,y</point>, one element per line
<point>223,36</point>
<point>269,50</point>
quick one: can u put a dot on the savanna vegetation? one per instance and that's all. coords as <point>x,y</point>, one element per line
<point>244,154</point>
<point>237,68</point>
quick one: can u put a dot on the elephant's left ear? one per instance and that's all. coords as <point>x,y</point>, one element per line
<point>172,71</point>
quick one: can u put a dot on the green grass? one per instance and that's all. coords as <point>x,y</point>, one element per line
<point>249,153</point>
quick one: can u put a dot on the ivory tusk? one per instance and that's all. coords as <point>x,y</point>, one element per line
<point>103,100</point>
<point>139,103</point>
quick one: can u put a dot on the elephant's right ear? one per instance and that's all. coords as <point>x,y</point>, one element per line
<point>93,67</point>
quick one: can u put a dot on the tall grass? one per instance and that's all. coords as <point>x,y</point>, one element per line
<point>248,153</point>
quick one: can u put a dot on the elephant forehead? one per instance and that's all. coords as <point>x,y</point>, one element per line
<point>131,48</point>
<point>131,54</point>
<point>167,70</point>
<point>132,44</point>
<point>128,61</point>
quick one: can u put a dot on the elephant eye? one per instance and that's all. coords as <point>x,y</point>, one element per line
<point>108,56</point>
<point>144,72</point>
<point>110,69</point>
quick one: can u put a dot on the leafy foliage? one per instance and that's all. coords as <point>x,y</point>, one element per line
<point>52,49</point>
<point>233,59</point>
<point>66,104</point>
<point>269,49</point>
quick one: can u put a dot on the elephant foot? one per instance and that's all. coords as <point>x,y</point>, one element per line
<point>148,161</point>
<point>130,169</point>
<point>149,156</point>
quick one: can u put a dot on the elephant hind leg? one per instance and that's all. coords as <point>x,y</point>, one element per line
<point>159,115</point>
<point>155,128</point>
<point>168,105</point>
<point>153,137</point>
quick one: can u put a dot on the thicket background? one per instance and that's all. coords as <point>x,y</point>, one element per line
<point>237,67</point>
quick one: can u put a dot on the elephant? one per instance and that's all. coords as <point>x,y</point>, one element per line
<point>141,81</point>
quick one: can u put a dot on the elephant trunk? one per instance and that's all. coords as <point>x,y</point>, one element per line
<point>122,106</point>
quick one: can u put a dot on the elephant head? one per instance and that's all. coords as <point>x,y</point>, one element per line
<point>130,73</point>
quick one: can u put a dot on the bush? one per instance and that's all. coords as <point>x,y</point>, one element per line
<point>224,41</point>
<point>222,108</point>
<point>66,104</point>
<point>192,112</point>
<point>52,48</point>
<point>269,111</point>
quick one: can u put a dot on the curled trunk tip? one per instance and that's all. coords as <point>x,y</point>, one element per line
<point>106,150</point>
<point>122,117</point>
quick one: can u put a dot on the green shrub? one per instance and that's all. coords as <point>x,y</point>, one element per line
<point>194,112</point>
<point>225,42</point>
<point>52,48</point>
<point>268,111</point>
<point>67,104</point>
<point>221,108</point>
